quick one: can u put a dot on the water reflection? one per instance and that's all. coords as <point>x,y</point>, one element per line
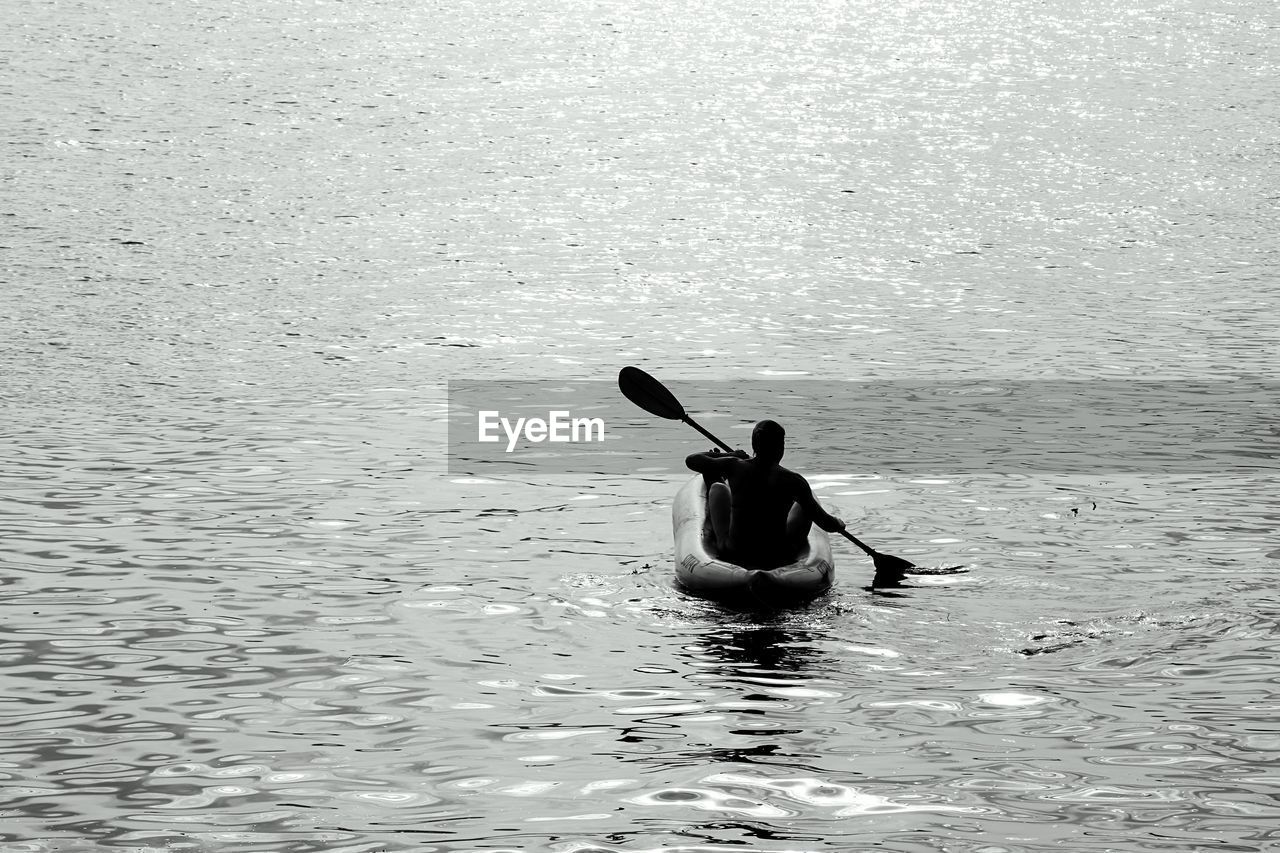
<point>774,647</point>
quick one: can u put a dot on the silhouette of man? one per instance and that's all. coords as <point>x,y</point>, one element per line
<point>760,512</point>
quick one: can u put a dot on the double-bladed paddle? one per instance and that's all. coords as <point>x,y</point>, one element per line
<point>652,396</point>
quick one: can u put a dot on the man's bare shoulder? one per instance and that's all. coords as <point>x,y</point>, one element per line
<point>790,479</point>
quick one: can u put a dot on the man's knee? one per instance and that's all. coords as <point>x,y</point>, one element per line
<point>798,523</point>
<point>720,510</point>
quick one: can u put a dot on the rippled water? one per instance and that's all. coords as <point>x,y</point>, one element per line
<point>245,245</point>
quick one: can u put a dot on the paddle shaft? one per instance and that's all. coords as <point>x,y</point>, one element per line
<point>691,422</point>
<point>866,549</point>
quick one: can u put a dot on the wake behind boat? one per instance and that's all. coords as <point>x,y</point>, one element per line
<point>701,571</point>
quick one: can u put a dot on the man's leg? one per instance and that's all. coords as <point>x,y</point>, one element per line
<point>798,524</point>
<point>720,512</point>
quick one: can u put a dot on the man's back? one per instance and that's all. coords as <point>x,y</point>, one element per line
<point>760,512</point>
<point>761,497</point>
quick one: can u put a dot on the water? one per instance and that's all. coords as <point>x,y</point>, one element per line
<point>246,609</point>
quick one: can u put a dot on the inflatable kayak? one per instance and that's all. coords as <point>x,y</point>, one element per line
<point>700,571</point>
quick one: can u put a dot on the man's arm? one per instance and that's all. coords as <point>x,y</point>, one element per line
<point>714,461</point>
<point>803,495</point>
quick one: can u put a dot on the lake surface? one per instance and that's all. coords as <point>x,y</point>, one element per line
<point>247,604</point>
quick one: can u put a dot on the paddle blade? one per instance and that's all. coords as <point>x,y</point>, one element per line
<point>890,570</point>
<point>649,394</point>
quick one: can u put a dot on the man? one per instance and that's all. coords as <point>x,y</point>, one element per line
<point>760,512</point>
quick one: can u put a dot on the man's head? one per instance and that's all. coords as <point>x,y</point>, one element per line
<point>767,440</point>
